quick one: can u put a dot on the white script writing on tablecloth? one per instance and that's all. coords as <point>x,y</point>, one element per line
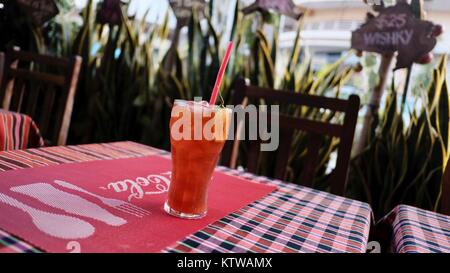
<point>141,186</point>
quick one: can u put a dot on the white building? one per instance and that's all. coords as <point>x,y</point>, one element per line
<point>329,23</point>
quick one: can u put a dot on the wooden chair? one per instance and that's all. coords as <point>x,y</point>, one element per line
<point>289,125</point>
<point>42,87</point>
<point>445,195</point>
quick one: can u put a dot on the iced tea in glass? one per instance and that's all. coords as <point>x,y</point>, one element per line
<point>198,134</point>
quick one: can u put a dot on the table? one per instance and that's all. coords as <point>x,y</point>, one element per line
<point>291,219</point>
<point>18,132</point>
<point>416,230</point>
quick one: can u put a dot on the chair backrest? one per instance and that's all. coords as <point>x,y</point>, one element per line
<point>445,194</point>
<point>288,125</point>
<point>42,87</point>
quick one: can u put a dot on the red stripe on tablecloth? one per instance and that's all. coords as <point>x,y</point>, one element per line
<point>6,132</point>
<point>13,138</point>
<point>3,130</point>
<point>21,133</point>
<point>5,127</point>
<point>11,131</point>
<point>17,123</point>
<point>26,132</point>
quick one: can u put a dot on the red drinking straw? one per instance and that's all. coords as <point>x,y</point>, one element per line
<point>219,78</point>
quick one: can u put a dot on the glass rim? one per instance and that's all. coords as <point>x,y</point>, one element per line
<point>182,102</point>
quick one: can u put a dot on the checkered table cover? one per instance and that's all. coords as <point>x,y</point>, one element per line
<point>18,131</point>
<point>291,219</point>
<point>416,230</point>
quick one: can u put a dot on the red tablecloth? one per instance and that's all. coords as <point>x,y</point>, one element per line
<point>18,132</point>
<point>290,219</point>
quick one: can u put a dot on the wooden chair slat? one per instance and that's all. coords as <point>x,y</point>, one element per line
<point>286,97</point>
<point>42,59</point>
<point>67,100</point>
<point>232,147</point>
<point>315,127</point>
<point>7,87</point>
<point>37,76</point>
<point>340,173</point>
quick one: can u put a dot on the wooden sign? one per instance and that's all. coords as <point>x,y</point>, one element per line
<point>396,29</point>
<point>285,7</point>
<point>183,9</point>
<point>40,11</point>
<point>110,12</point>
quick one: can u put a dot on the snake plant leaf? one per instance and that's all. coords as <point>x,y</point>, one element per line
<point>202,67</point>
<point>304,78</point>
<point>164,29</point>
<point>295,54</point>
<point>211,7</point>
<point>236,19</point>
<point>267,62</point>
<point>129,31</point>
<point>326,71</point>
<point>443,114</point>
<point>402,157</point>
<point>274,51</point>
<point>389,117</point>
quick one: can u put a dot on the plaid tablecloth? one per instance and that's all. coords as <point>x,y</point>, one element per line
<point>291,219</point>
<point>18,132</point>
<point>416,230</point>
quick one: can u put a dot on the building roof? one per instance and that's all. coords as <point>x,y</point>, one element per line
<point>329,4</point>
<point>431,5</point>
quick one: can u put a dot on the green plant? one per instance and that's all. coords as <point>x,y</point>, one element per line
<point>126,89</point>
<point>119,94</point>
<point>298,76</point>
<point>403,163</point>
